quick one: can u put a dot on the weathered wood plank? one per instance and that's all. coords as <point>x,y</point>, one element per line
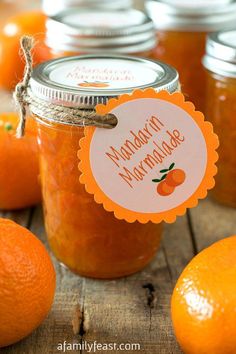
<point>212,222</point>
<point>178,247</point>
<point>141,303</point>
<point>22,217</point>
<point>134,310</point>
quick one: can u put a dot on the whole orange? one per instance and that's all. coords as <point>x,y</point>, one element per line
<point>27,282</point>
<point>19,164</point>
<point>204,301</point>
<point>11,62</point>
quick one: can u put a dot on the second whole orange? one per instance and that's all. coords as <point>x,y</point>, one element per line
<point>19,164</point>
<point>204,301</point>
<point>27,282</point>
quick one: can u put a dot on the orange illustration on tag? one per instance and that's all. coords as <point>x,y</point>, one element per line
<point>170,179</point>
<point>158,161</point>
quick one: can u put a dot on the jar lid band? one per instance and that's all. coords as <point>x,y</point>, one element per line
<point>92,31</point>
<point>94,79</point>
<point>67,90</point>
<point>192,16</point>
<point>221,53</point>
<point>80,115</point>
<point>50,9</point>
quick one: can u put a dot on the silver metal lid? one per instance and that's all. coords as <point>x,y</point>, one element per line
<point>194,15</point>
<point>220,55</point>
<point>88,80</point>
<point>91,31</point>
<point>51,8</point>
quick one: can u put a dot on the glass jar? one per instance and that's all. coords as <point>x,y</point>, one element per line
<point>182,26</point>
<point>87,31</point>
<point>220,62</point>
<point>83,236</point>
<point>50,9</point>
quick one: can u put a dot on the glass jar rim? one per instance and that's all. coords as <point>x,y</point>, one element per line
<point>220,55</point>
<point>215,17</point>
<point>99,30</point>
<point>63,81</point>
<point>50,9</point>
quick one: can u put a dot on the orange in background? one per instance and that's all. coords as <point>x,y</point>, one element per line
<point>11,61</point>
<point>27,282</point>
<point>204,301</point>
<point>19,164</point>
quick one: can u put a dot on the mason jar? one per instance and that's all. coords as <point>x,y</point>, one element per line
<point>82,234</point>
<point>182,27</point>
<point>90,31</point>
<point>220,62</point>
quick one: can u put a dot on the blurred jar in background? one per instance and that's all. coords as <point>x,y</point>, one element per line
<point>51,9</point>
<point>220,62</point>
<point>182,26</point>
<point>89,31</point>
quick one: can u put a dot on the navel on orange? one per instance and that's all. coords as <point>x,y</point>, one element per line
<point>27,282</point>
<point>204,301</point>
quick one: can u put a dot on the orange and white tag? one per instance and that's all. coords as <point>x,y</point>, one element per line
<point>158,161</point>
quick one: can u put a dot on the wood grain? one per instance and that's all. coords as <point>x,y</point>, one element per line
<point>212,222</point>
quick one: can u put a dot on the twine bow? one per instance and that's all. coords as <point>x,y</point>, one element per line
<point>23,96</point>
<point>27,44</point>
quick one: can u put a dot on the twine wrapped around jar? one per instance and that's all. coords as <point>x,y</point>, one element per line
<point>23,96</point>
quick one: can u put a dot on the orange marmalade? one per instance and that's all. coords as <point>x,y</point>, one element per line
<point>88,31</point>
<point>83,236</point>
<point>220,62</point>
<point>182,27</point>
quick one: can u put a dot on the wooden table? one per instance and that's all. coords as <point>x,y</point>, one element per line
<point>135,309</point>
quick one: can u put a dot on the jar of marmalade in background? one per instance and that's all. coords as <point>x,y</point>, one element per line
<point>182,26</point>
<point>83,236</point>
<point>87,31</point>
<point>220,62</point>
<point>51,9</point>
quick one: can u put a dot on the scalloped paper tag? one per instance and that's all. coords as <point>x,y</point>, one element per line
<point>158,161</point>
